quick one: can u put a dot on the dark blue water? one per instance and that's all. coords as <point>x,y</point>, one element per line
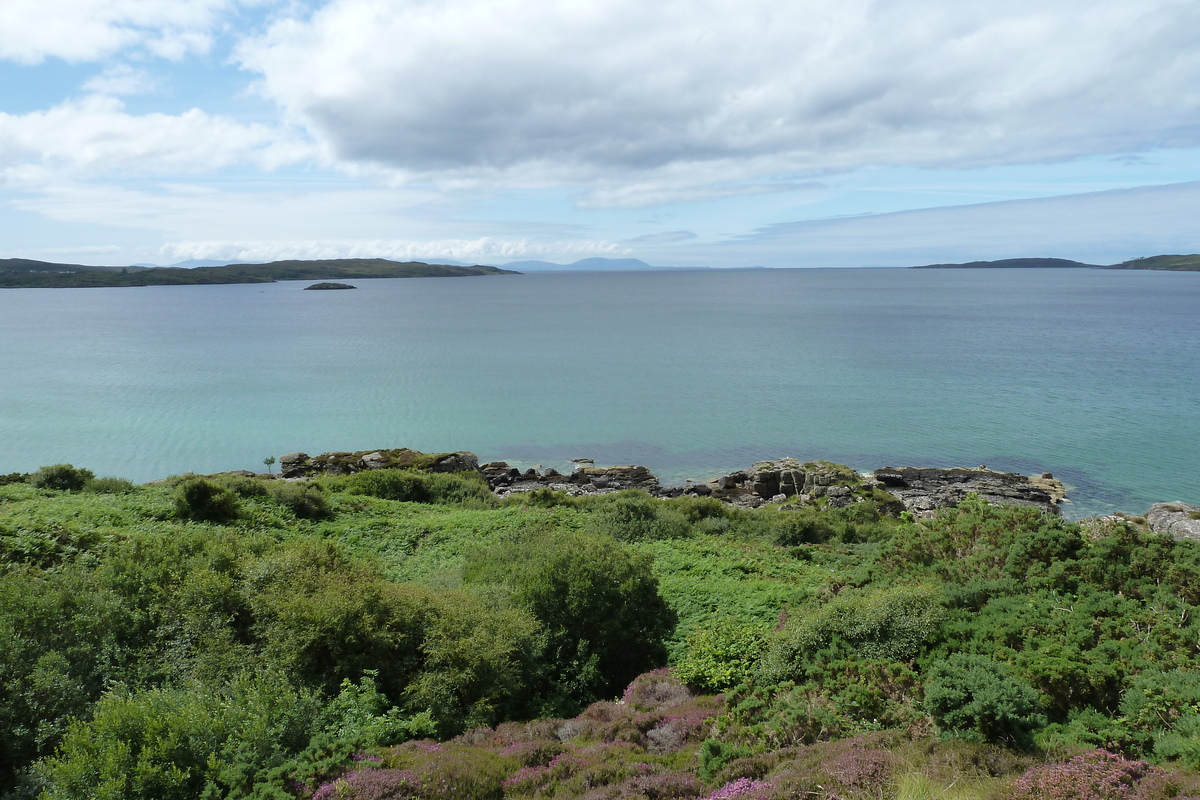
<point>1092,375</point>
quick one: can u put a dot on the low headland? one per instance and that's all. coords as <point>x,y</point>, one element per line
<point>399,624</point>
<point>1172,263</point>
<point>17,273</point>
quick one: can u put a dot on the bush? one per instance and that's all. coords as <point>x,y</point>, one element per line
<point>721,654</point>
<point>891,624</point>
<point>305,500</point>
<point>109,486</point>
<point>975,698</point>
<point>406,485</point>
<point>181,744</point>
<point>61,477</point>
<point>603,620</point>
<point>205,501</point>
<point>636,516</point>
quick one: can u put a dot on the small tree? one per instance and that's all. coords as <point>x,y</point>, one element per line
<point>269,460</point>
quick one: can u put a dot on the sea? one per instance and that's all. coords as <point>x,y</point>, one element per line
<point>1091,375</point>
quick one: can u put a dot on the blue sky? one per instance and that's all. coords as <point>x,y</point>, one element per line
<point>708,133</point>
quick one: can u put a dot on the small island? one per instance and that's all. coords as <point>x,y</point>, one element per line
<point>329,285</point>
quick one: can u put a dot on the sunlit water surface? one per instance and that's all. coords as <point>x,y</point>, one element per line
<point>1092,375</point>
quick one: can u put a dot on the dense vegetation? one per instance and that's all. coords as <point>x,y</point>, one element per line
<point>397,634</point>
<point>23,273</point>
<point>1174,263</point>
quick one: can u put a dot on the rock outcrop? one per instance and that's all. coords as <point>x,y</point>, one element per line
<point>585,479</point>
<point>1177,520</point>
<point>301,465</point>
<point>923,490</point>
<point>818,482</point>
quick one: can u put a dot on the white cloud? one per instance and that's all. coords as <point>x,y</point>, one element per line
<point>87,30</point>
<point>95,135</point>
<point>654,98</point>
<point>481,249</point>
<point>1098,228</point>
<point>121,79</point>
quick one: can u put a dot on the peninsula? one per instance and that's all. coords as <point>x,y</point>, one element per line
<point>19,273</point>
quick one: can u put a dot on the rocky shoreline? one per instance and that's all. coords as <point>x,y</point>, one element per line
<point>919,491</point>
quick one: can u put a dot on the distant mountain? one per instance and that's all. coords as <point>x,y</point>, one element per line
<point>25,273</point>
<point>584,265</point>
<point>1174,263</point>
<point>1016,263</point>
<point>192,263</point>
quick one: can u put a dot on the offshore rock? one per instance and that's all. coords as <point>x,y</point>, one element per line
<point>924,489</point>
<point>1177,520</point>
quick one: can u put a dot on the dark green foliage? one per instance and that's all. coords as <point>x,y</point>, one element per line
<point>242,740</point>
<point>892,624</point>
<point>852,524</point>
<point>603,619</point>
<point>205,501</point>
<point>14,477</point>
<point>305,500</point>
<point>61,477</point>
<point>977,699</point>
<point>1165,705</point>
<point>62,636</point>
<point>520,607</point>
<point>636,516</point>
<point>324,619</point>
<point>106,485</point>
<point>415,486</point>
<point>407,485</point>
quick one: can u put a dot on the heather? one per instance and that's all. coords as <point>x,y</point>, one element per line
<point>399,634</point>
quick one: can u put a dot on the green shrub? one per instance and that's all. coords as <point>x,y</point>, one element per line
<point>458,487</point>
<point>892,624</point>
<point>1166,705</point>
<point>205,501</point>
<point>636,516</point>
<point>106,485</point>
<point>305,500</point>
<point>975,698</point>
<point>242,485</point>
<point>61,477</point>
<point>407,485</point>
<point>181,744</point>
<point>603,620</point>
<point>721,654</point>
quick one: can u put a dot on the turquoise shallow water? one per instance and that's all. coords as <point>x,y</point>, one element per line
<point>1088,374</point>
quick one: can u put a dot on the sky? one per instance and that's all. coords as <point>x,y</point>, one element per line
<point>723,133</point>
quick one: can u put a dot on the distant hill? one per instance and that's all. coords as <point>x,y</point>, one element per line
<point>25,273</point>
<point>584,265</point>
<point>1174,263</point>
<point>1016,263</point>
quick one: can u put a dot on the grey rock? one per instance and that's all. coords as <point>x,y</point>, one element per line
<point>925,489</point>
<point>1177,520</point>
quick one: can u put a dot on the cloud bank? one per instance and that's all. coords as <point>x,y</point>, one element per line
<point>1098,228</point>
<point>87,30</point>
<point>690,93</point>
